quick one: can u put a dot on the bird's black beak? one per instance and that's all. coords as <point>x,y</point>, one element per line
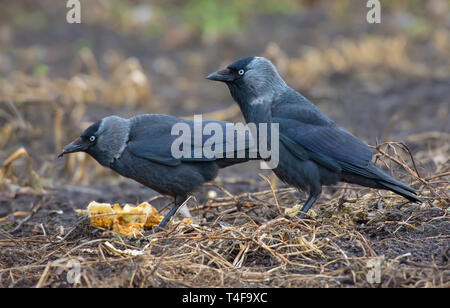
<point>222,75</point>
<point>77,145</point>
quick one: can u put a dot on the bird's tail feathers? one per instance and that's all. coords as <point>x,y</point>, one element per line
<point>402,192</point>
<point>396,186</point>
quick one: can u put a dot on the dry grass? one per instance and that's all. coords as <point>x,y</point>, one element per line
<point>239,240</point>
<point>368,54</point>
<point>243,241</point>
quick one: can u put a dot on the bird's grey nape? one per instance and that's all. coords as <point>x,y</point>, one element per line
<point>263,77</point>
<point>113,135</point>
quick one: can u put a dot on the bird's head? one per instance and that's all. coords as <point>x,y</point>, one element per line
<point>250,78</point>
<point>104,140</point>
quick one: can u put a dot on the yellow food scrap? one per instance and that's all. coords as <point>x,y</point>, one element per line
<point>188,220</point>
<point>130,220</point>
<point>81,212</point>
<point>101,214</point>
<point>129,230</point>
<point>117,208</point>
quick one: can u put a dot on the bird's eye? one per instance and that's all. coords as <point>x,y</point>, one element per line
<point>92,138</point>
<point>241,72</point>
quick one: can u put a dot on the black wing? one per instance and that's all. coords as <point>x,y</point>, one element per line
<point>151,138</point>
<point>308,133</point>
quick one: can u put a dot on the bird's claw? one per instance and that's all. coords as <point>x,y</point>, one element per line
<point>153,230</point>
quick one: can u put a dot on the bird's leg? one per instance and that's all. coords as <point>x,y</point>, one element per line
<point>399,206</point>
<point>307,206</point>
<point>178,202</point>
<point>169,215</point>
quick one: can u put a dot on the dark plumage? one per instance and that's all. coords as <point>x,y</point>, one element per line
<point>140,148</point>
<point>313,151</point>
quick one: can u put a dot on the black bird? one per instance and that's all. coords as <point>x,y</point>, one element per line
<point>140,148</point>
<point>313,150</point>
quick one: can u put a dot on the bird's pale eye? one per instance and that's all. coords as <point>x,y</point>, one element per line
<point>241,72</point>
<point>92,138</point>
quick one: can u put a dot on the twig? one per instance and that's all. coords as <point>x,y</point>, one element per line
<point>35,208</point>
<point>273,193</point>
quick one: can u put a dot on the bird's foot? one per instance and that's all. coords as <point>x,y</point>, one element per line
<point>399,206</point>
<point>301,215</point>
<point>154,230</point>
<point>148,232</point>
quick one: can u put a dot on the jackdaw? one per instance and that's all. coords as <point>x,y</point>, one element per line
<point>313,150</point>
<point>140,148</point>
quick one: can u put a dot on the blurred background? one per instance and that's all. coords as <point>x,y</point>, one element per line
<point>383,82</point>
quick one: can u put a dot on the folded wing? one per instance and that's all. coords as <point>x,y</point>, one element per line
<point>328,145</point>
<point>152,139</point>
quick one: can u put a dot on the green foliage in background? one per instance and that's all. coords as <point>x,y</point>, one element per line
<point>208,19</point>
<point>29,20</point>
<point>212,18</point>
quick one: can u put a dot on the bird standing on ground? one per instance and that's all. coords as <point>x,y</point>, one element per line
<point>313,150</point>
<point>140,148</point>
